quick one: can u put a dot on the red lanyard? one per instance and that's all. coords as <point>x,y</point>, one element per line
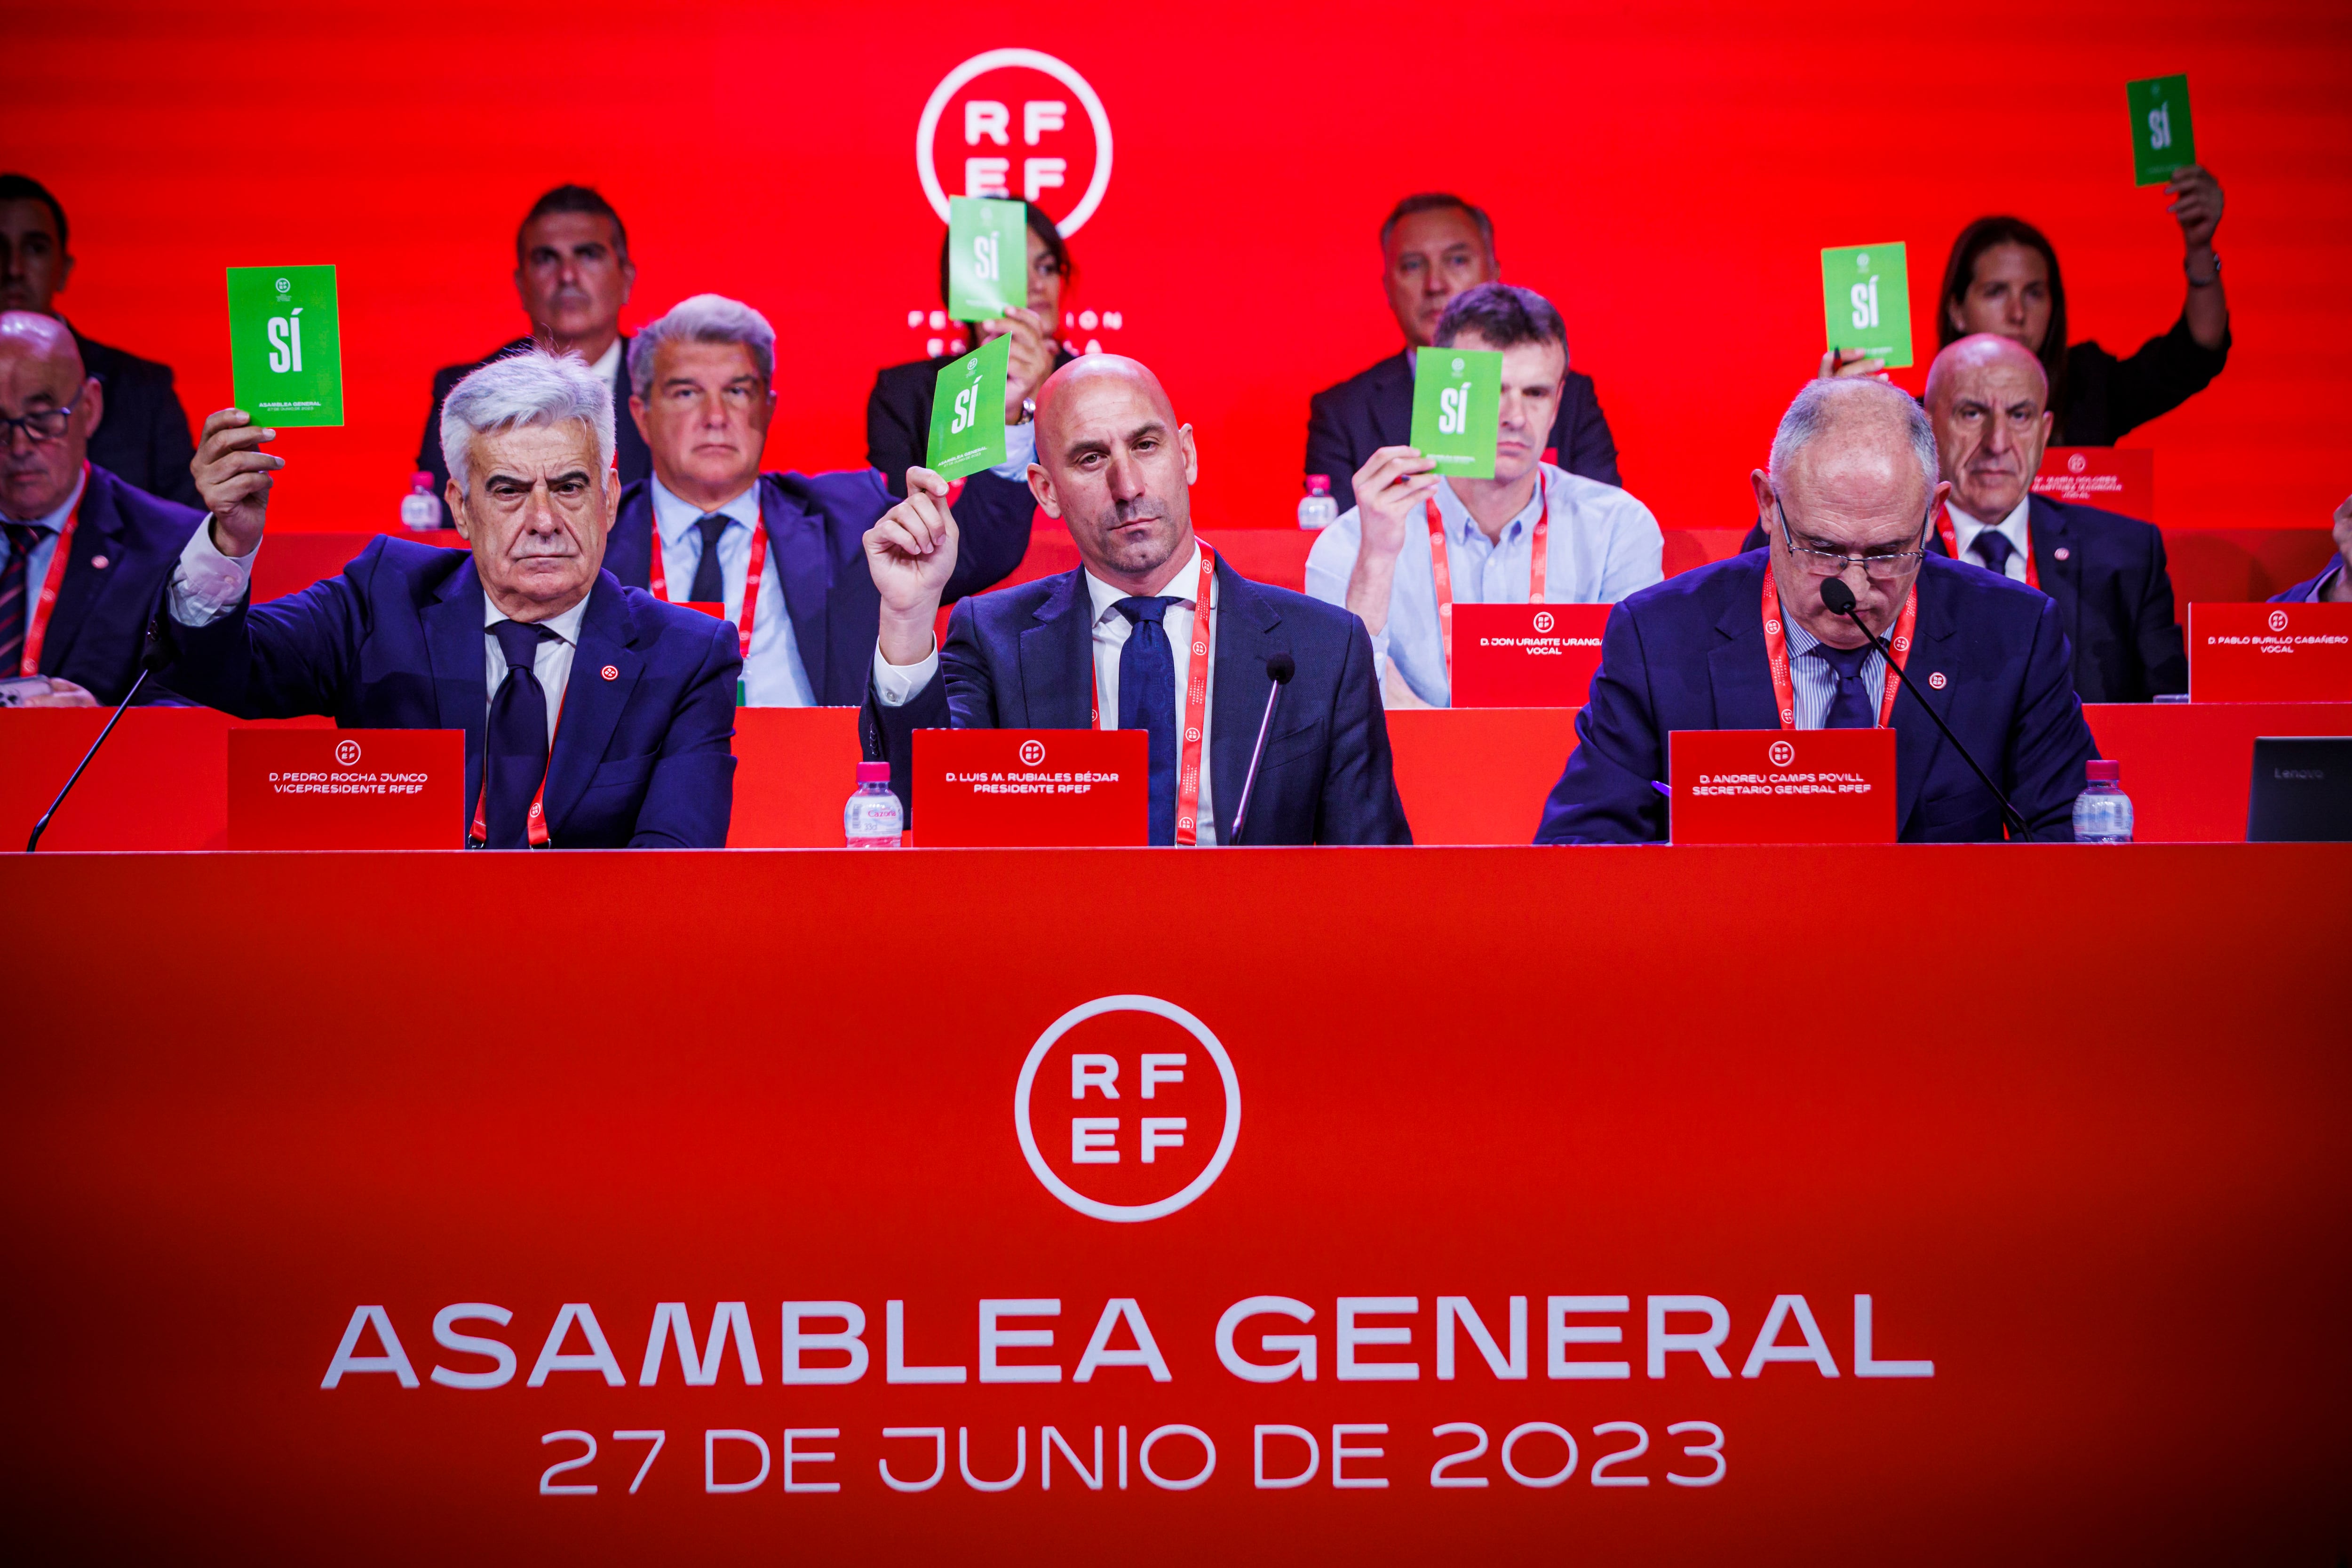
<point>1776,653</point>
<point>1196,706</point>
<point>1952,547</point>
<point>37,626</point>
<point>535,825</point>
<point>1443,569</point>
<point>759,563</point>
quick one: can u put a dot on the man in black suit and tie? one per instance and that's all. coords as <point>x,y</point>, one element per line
<point>1432,246</point>
<point>572,274</point>
<point>1117,636</point>
<point>143,440</point>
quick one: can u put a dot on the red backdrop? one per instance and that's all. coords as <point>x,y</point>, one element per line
<point>1667,175</point>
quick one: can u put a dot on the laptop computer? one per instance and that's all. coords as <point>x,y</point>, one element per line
<point>2301,790</point>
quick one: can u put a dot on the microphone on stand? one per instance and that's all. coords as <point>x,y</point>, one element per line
<point>1838,600</point>
<point>1279,669</point>
<point>152,659</point>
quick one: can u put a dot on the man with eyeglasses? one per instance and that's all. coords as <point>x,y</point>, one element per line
<point>1852,493</point>
<point>83,555</point>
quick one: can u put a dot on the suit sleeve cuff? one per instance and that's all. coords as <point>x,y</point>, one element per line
<point>207,585</point>
<point>896,685</point>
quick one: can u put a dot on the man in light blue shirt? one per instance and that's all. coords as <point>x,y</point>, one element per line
<point>1379,559</point>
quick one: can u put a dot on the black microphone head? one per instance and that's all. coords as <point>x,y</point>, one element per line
<point>1280,667</point>
<point>1837,595</point>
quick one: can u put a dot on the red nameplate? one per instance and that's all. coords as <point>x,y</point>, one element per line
<point>2114,479</point>
<point>1781,786</point>
<point>347,789</point>
<point>1525,655</point>
<point>2270,653</point>
<point>1031,788</point>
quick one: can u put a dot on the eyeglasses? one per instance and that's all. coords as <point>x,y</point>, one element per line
<point>1879,566</point>
<point>41,425</point>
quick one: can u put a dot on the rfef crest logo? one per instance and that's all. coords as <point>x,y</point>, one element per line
<point>347,752</point>
<point>1019,124</point>
<point>2277,621</point>
<point>1127,1108</point>
<point>1781,754</point>
<point>2076,463</point>
<point>1543,621</point>
<point>1032,751</point>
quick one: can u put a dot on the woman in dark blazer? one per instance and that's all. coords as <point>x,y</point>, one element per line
<point>898,411</point>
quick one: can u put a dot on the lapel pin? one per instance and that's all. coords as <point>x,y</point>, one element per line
<point>2061,553</point>
<point>1936,679</point>
<point>610,672</point>
<point>98,562</point>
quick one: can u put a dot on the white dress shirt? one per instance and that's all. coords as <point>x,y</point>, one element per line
<point>773,675</point>
<point>207,585</point>
<point>1965,530</point>
<point>608,365</point>
<point>45,549</point>
<point>896,685</point>
<point>1601,545</point>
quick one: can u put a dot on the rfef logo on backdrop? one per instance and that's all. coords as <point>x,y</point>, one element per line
<point>1127,1108</point>
<point>1015,123</point>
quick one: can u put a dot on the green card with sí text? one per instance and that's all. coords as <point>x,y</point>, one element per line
<point>988,258</point>
<point>1866,295</point>
<point>2162,138</point>
<point>286,344</point>
<point>967,410</point>
<point>1457,406</point>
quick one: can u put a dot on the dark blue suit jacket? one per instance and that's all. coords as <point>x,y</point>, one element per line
<point>1347,423</point>
<point>2114,594</point>
<point>143,439</point>
<point>395,643</point>
<point>1688,654</point>
<point>99,626</point>
<point>1023,658</point>
<point>816,535</point>
<point>2305,591</point>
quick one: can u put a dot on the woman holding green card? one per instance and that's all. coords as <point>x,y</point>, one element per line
<point>898,411</point>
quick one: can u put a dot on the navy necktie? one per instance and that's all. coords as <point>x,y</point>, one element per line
<point>1853,708</point>
<point>710,583</point>
<point>515,757</point>
<point>15,601</point>
<point>1147,701</point>
<point>1993,547</point>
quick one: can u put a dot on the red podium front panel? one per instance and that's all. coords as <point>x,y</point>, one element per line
<point>1013,788</point>
<point>1781,786</point>
<point>380,1207</point>
<point>1525,655</point>
<point>2270,653</point>
<point>346,789</point>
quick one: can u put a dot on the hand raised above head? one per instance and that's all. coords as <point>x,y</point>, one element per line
<point>233,478</point>
<point>1389,489</point>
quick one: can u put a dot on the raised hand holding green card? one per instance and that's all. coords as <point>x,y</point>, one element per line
<point>1866,297</point>
<point>2162,138</point>
<point>967,410</point>
<point>286,344</point>
<point>1458,407</point>
<point>988,258</point>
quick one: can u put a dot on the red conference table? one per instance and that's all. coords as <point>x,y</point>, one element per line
<point>260,1110</point>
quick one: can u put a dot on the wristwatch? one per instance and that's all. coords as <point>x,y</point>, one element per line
<point>1028,411</point>
<point>2196,282</point>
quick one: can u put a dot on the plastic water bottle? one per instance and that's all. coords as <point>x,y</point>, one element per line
<point>1316,509</point>
<point>872,820</point>
<point>420,509</point>
<point>2102,812</point>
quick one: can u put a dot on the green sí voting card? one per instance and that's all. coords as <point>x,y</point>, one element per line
<point>2162,138</point>
<point>988,258</point>
<point>967,412</point>
<point>1866,296</point>
<point>1457,406</point>
<point>286,344</point>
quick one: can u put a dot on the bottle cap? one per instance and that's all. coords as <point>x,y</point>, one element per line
<point>1319,484</point>
<point>2103,773</point>
<point>420,480</point>
<point>877,773</point>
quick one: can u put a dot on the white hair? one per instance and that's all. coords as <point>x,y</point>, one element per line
<point>704,319</point>
<point>530,387</point>
<point>1825,403</point>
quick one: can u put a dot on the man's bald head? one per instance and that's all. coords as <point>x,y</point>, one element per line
<point>41,377</point>
<point>1114,464</point>
<point>1966,358</point>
